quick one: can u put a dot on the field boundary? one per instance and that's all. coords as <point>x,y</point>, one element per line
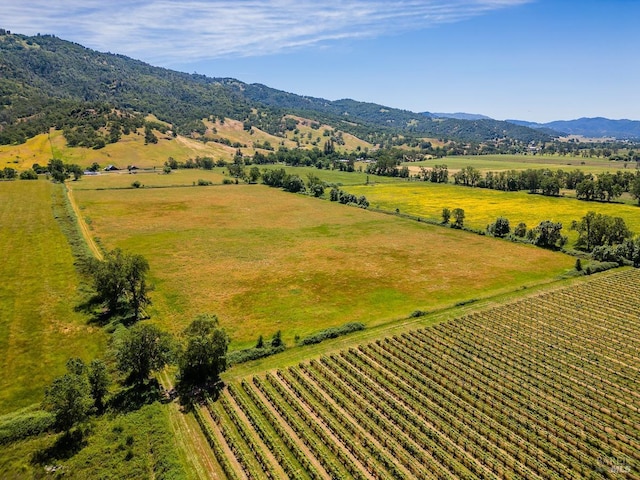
<point>84,228</point>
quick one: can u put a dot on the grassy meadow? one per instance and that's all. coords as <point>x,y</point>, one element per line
<point>264,260</point>
<point>39,329</point>
<point>483,206</point>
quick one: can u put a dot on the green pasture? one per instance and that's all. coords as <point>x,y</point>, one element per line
<point>483,206</point>
<point>498,163</point>
<point>265,260</point>
<point>39,329</point>
<point>147,178</point>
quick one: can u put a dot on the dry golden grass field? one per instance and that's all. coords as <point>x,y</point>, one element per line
<point>265,260</point>
<point>131,149</point>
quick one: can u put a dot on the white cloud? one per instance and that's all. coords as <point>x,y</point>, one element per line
<point>165,32</point>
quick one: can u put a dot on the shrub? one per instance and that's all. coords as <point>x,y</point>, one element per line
<point>23,424</point>
<point>136,184</point>
<point>248,354</point>
<point>29,174</point>
<point>520,230</point>
<point>332,332</point>
<point>204,183</point>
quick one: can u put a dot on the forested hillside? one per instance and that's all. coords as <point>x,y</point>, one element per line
<point>48,82</point>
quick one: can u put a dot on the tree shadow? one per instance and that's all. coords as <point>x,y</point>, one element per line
<point>136,396</point>
<point>65,447</point>
<point>192,394</point>
<point>101,316</point>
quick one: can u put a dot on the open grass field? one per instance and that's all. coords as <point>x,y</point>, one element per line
<point>498,163</point>
<point>265,260</point>
<point>483,206</point>
<point>39,329</point>
<point>537,388</point>
<point>130,150</point>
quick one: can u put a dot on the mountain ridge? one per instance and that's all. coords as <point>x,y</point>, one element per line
<point>596,127</point>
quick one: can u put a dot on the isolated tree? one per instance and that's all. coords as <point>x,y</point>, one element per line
<point>68,397</point>
<point>144,349</point>
<point>204,356</point>
<point>458,216</point>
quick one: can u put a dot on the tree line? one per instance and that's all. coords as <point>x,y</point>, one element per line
<point>604,237</point>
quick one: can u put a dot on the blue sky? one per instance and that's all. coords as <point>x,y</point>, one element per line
<point>537,60</point>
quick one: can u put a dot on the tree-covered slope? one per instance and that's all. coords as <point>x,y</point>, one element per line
<point>44,79</point>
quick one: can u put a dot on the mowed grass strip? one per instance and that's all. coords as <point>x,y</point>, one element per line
<point>265,260</point>
<point>39,329</point>
<point>483,206</point>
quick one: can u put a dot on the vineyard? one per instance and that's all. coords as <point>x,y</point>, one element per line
<point>544,387</point>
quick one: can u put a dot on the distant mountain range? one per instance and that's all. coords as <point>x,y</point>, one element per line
<point>598,127</point>
<point>460,116</point>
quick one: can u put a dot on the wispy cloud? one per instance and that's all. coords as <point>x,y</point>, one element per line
<point>166,31</point>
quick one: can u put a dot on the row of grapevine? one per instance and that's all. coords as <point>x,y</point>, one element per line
<point>545,387</point>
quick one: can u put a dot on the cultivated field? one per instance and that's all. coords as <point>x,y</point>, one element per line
<point>483,206</point>
<point>265,260</point>
<point>543,387</point>
<point>39,329</point>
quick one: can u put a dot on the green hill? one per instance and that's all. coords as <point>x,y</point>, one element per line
<point>49,82</point>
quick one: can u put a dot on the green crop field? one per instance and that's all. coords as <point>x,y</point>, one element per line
<point>39,329</point>
<point>483,206</point>
<point>543,387</point>
<point>265,260</point>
